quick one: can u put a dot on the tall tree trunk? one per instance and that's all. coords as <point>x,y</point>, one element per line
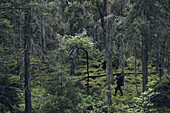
<point>43,43</point>
<point>21,68</point>
<point>21,62</point>
<point>136,72</point>
<point>109,56</point>
<point>161,63</point>
<point>144,61</point>
<point>87,61</point>
<point>108,45</point>
<point>19,46</point>
<point>27,45</point>
<point>72,66</point>
<point>102,12</point>
<point>157,55</point>
<point>122,64</point>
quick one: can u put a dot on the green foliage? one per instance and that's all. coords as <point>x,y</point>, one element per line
<point>80,41</point>
<point>77,23</point>
<point>143,103</point>
<point>9,93</point>
<point>130,67</point>
<point>10,88</point>
<point>93,103</point>
<point>153,100</point>
<point>5,23</point>
<point>162,100</point>
<point>60,96</point>
<point>53,89</point>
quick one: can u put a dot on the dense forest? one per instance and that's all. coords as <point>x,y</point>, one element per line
<point>63,56</point>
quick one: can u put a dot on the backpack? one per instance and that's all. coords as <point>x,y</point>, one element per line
<point>121,81</point>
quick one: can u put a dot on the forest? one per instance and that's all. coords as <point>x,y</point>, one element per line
<point>66,56</point>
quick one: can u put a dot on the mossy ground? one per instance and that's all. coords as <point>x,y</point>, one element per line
<point>132,85</point>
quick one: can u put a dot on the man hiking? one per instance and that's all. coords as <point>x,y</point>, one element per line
<point>119,80</point>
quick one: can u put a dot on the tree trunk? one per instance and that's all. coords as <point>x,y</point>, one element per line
<point>19,46</point>
<point>136,69</point>
<point>21,68</point>
<point>161,63</point>
<point>43,43</point>
<point>109,56</point>
<point>27,45</point>
<point>87,61</point>
<point>102,12</point>
<point>21,62</point>
<point>122,64</point>
<point>157,55</point>
<point>136,75</point>
<point>144,61</point>
<point>72,66</point>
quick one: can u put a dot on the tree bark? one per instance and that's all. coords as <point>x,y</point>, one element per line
<point>43,43</point>
<point>87,61</point>
<point>19,46</point>
<point>27,45</point>
<point>144,61</point>
<point>122,65</point>
<point>136,72</point>
<point>102,11</point>
<point>161,63</point>
<point>21,62</point>
<point>109,56</point>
